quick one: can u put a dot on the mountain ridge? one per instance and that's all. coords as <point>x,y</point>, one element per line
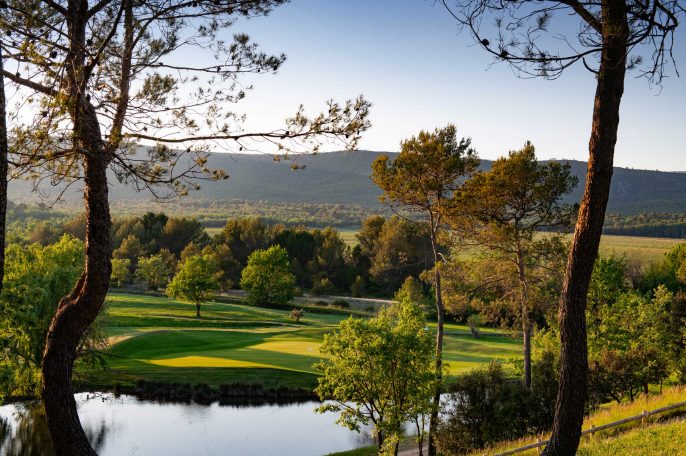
<point>343,178</point>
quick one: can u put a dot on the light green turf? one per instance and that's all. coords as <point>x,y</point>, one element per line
<point>157,338</point>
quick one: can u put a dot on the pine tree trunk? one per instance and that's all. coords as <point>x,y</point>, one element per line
<point>571,398</point>
<point>77,311</point>
<point>526,349</point>
<point>440,317</point>
<point>75,314</point>
<point>3,172</point>
<point>526,318</point>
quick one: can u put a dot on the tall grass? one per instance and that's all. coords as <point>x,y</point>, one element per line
<point>607,414</point>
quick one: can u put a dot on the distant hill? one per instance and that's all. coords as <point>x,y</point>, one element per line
<point>343,178</point>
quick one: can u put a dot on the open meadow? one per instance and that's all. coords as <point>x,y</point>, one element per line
<point>156,338</point>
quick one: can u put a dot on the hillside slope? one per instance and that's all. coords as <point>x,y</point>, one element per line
<point>343,178</point>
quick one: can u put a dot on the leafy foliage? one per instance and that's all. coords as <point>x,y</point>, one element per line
<point>195,281</point>
<point>267,277</point>
<point>379,371</point>
<point>36,278</point>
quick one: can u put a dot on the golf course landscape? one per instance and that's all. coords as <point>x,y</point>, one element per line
<point>155,338</point>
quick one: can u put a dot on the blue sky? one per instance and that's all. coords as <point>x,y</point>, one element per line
<point>408,59</point>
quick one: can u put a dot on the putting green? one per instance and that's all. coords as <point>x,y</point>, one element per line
<point>202,361</point>
<point>157,338</point>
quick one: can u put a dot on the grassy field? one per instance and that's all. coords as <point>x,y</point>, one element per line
<point>159,339</point>
<point>603,442</point>
<point>644,249</point>
<point>656,440</point>
<point>634,247</point>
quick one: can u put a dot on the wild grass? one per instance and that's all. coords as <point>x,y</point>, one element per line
<point>609,413</point>
<point>667,439</point>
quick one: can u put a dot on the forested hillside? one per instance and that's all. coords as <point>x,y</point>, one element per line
<point>343,178</point>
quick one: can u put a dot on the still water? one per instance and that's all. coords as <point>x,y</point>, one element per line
<point>124,425</point>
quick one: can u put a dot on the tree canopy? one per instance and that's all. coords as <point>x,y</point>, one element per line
<point>379,371</point>
<point>267,278</point>
<point>196,281</point>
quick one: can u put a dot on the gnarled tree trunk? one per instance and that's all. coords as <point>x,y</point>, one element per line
<point>571,398</point>
<point>3,171</point>
<point>77,311</point>
<point>75,314</point>
<point>440,317</point>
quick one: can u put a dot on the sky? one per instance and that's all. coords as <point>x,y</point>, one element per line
<point>420,72</point>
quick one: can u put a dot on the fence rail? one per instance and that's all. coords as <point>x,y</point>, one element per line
<point>593,429</point>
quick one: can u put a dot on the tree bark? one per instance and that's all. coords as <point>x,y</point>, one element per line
<point>526,348</point>
<point>75,314</point>
<point>526,319</point>
<point>571,398</point>
<point>77,311</point>
<point>4,150</point>
<point>197,310</point>
<point>440,317</point>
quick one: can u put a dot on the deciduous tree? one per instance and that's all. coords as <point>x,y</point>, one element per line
<point>379,370</point>
<point>154,271</point>
<point>196,281</point>
<point>267,278</point>
<point>121,271</point>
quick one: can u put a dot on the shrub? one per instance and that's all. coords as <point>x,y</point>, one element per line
<point>297,314</point>
<point>474,321</point>
<point>322,287</point>
<point>342,303</point>
<point>485,406</point>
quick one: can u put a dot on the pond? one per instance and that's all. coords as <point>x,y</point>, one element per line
<point>124,425</point>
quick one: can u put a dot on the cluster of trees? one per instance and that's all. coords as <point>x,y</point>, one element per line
<point>498,256</point>
<point>650,224</point>
<point>636,337</point>
<point>149,248</point>
<point>215,212</point>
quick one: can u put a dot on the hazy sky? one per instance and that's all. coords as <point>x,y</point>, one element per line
<point>408,59</point>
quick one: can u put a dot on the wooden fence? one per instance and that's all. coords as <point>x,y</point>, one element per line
<point>592,429</point>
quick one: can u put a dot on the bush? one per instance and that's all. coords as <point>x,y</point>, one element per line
<point>474,321</point>
<point>322,287</point>
<point>485,406</point>
<point>342,303</point>
<point>297,314</point>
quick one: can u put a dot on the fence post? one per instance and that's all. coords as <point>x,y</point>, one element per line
<point>643,419</point>
<point>538,448</point>
<point>590,434</point>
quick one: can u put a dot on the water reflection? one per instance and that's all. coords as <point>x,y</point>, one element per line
<point>127,426</point>
<point>24,431</point>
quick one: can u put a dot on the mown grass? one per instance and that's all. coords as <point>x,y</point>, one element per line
<point>609,413</point>
<point>155,338</point>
